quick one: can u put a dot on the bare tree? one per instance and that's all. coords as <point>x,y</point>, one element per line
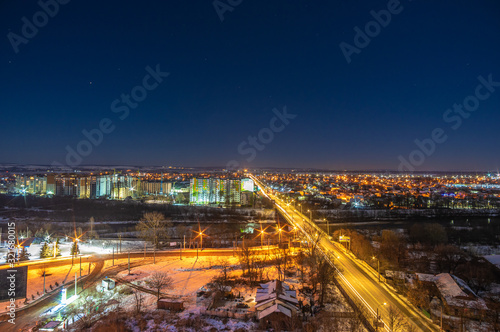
<point>221,280</point>
<point>159,281</point>
<point>153,227</point>
<point>395,319</point>
<point>85,308</point>
<point>418,294</point>
<point>92,234</point>
<point>393,247</point>
<point>325,277</point>
<point>278,262</point>
<point>247,258</point>
<point>225,267</point>
<point>260,266</point>
<point>448,257</point>
<point>493,314</point>
<point>139,299</point>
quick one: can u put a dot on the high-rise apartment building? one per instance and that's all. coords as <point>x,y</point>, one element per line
<point>215,191</point>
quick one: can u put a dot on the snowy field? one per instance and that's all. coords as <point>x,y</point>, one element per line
<point>59,274</point>
<point>189,275</point>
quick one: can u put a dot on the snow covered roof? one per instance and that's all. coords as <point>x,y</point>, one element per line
<point>273,289</point>
<point>493,259</point>
<point>426,277</point>
<point>27,242</point>
<point>454,290</point>
<point>288,298</point>
<point>278,307</point>
<point>275,296</point>
<point>447,286</point>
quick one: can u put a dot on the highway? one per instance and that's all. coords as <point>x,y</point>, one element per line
<point>361,285</point>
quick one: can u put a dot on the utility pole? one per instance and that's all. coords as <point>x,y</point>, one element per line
<point>80,266</point>
<point>441,317</point>
<point>44,282</point>
<point>113,256</point>
<point>129,262</point>
<point>180,251</point>
<point>378,269</point>
<point>75,283</point>
<point>144,249</point>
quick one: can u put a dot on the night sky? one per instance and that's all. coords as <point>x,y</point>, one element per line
<point>226,77</point>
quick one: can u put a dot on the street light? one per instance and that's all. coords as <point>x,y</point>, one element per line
<point>200,233</point>
<point>310,215</point>
<point>378,267</point>
<point>378,317</point>
<point>262,232</point>
<point>327,225</point>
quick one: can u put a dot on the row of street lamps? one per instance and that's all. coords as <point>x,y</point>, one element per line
<point>377,322</point>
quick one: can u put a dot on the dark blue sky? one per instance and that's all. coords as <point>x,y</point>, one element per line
<point>226,77</point>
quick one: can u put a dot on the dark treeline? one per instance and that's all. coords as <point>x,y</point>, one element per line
<point>81,210</point>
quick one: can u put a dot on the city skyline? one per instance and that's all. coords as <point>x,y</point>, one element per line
<point>215,77</point>
<point>236,165</point>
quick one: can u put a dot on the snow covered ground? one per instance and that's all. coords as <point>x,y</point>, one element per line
<point>59,274</point>
<point>189,274</point>
<point>493,259</point>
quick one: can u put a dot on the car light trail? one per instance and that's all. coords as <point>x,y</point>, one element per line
<point>292,220</point>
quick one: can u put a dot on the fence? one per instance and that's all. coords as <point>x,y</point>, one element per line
<point>227,313</point>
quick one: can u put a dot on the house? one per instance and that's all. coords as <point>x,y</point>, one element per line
<point>170,305</point>
<point>276,303</point>
<point>455,295</point>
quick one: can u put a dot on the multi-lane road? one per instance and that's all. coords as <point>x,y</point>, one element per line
<point>361,285</point>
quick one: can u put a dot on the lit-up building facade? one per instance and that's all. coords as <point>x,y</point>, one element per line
<point>206,191</point>
<point>31,184</point>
